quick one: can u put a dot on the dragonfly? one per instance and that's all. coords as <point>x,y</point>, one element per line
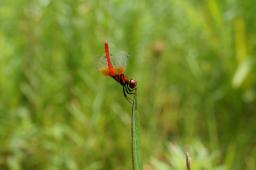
<point>116,70</point>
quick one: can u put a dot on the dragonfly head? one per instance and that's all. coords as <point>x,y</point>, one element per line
<point>132,83</point>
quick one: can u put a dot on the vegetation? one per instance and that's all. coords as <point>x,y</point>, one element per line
<point>195,66</point>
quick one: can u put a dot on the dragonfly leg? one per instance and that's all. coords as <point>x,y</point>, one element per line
<point>128,98</point>
<point>128,93</point>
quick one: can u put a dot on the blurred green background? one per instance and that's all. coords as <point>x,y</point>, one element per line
<point>195,66</point>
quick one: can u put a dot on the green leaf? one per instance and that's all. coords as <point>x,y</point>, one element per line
<point>241,73</point>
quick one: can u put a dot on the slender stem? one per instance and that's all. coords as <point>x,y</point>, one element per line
<point>188,161</point>
<point>135,133</point>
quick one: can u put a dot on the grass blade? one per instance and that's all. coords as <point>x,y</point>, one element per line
<point>188,161</point>
<point>135,132</point>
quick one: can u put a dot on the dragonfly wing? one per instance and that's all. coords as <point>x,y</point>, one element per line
<point>102,65</point>
<point>120,61</point>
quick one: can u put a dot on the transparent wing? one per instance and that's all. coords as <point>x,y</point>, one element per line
<point>102,65</point>
<point>119,61</point>
<point>102,62</point>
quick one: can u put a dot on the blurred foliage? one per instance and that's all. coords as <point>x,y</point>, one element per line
<point>194,62</point>
<point>175,157</point>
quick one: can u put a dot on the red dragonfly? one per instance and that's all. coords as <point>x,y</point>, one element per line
<point>116,71</point>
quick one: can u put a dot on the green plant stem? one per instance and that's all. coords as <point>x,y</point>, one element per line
<point>135,132</point>
<point>188,161</point>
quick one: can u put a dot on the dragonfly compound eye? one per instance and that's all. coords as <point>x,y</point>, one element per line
<point>132,83</point>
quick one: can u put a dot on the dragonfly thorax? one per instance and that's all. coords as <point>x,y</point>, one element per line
<point>121,78</point>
